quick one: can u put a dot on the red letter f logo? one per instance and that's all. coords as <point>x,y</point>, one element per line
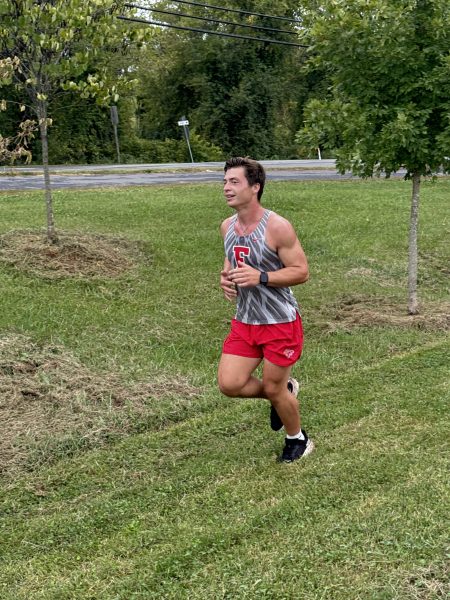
<point>240,252</point>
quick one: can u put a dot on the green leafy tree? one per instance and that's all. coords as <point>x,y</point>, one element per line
<point>54,43</point>
<point>389,107</point>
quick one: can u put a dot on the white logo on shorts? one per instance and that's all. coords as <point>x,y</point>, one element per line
<point>289,353</point>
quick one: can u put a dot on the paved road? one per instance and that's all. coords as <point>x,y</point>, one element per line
<point>91,176</point>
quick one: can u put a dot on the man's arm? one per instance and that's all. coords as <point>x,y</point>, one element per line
<point>281,237</point>
<point>228,287</point>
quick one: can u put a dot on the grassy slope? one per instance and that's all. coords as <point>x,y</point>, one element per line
<point>201,509</point>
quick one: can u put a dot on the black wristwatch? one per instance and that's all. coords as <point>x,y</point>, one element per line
<point>263,278</point>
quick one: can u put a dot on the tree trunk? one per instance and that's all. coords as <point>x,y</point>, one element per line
<point>42,117</point>
<point>413,304</point>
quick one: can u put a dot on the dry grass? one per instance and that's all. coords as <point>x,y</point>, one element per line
<point>75,255</point>
<point>49,400</point>
<point>372,274</point>
<point>429,583</point>
<point>360,311</point>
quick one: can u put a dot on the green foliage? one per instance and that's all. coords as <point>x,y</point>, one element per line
<point>243,96</point>
<point>71,46</point>
<point>240,96</point>
<point>15,143</point>
<point>61,39</point>
<point>81,132</point>
<point>53,44</point>
<point>169,150</point>
<point>390,103</point>
<point>10,117</point>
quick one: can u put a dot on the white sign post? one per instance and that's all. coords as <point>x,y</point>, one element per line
<point>183,122</point>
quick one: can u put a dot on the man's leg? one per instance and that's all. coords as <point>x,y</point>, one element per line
<point>297,443</point>
<point>275,380</point>
<point>236,378</point>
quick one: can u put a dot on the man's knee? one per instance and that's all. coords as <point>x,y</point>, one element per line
<point>272,390</point>
<point>230,387</point>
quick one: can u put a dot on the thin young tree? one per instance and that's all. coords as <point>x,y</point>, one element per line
<point>54,43</point>
<point>389,102</point>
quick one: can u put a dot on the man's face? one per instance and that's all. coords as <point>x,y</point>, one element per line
<point>236,188</point>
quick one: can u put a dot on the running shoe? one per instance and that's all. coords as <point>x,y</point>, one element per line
<point>293,386</point>
<point>295,449</point>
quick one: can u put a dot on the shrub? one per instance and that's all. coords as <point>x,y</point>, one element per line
<point>157,151</point>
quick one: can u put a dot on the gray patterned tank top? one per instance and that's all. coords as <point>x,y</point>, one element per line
<point>260,305</point>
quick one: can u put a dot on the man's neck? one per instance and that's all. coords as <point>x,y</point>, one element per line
<point>250,214</point>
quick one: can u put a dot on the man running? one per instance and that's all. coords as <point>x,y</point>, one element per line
<point>263,258</point>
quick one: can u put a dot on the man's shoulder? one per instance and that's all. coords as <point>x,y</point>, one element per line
<point>279,232</point>
<point>224,225</point>
<point>277,223</point>
<point>226,221</point>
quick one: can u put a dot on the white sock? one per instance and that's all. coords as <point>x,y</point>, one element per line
<point>297,436</point>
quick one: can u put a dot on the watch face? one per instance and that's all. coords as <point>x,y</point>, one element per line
<point>263,278</point>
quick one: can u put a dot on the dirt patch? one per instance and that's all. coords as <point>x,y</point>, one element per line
<point>52,405</point>
<point>75,255</point>
<point>429,583</point>
<point>358,311</point>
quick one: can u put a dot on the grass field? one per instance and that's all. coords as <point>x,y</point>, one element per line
<point>126,474</point>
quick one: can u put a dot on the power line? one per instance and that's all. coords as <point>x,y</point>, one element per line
<point>208,19</point>
<point>210,32</point>
<point>242,12</point>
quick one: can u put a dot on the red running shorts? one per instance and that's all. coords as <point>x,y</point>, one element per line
<point>280,343</point>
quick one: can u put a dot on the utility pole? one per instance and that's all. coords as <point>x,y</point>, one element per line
<point>115,122</point>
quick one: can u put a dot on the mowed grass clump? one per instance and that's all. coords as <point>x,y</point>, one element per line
<point>51,405</point>
<point>72,254</point>
<point>360,311</point>
<point>197,507</point>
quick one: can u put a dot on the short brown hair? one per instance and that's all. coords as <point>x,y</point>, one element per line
<point>254,171</point>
